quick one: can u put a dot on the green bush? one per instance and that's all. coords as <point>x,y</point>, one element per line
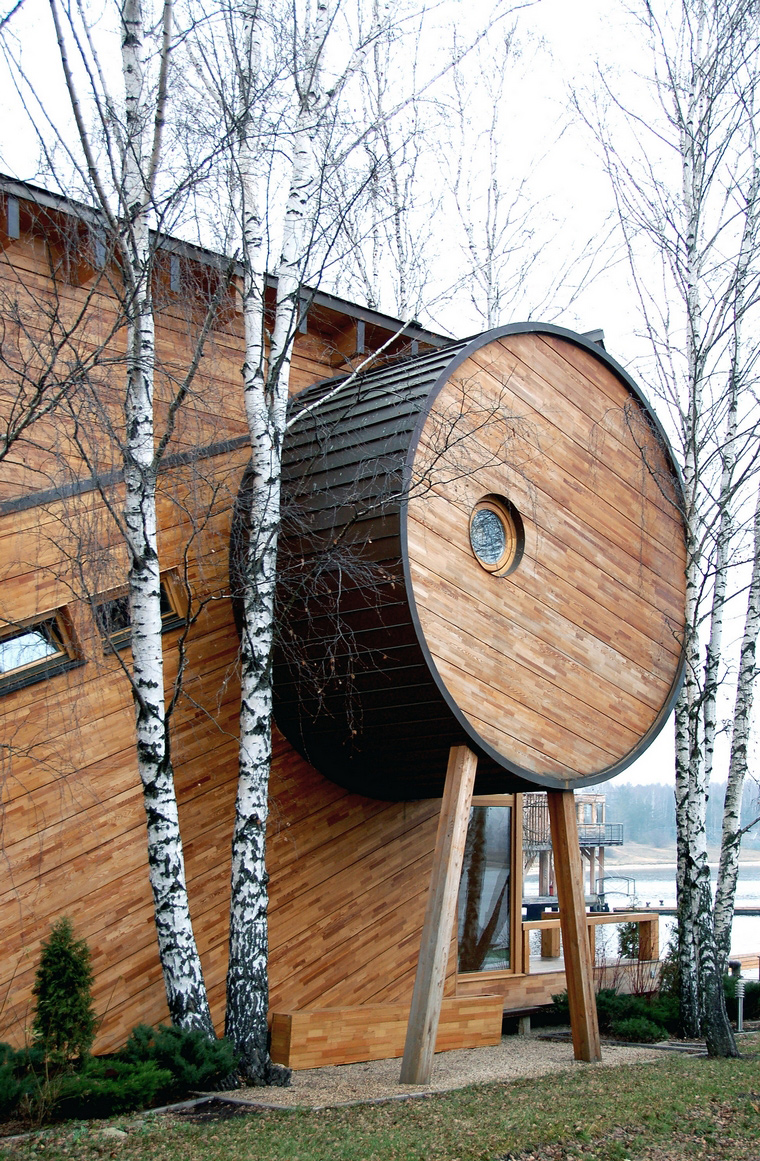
<point>64,1021</point>
<point>561,1006</point>
<point>612,1008</point>
<point>666,1010</point>
<point>11,1085</point>
<point>670,973</point>
<point>106,1087</point>
<point>194,1061</point>
<point>25,1082</point>
<point>639,1030</point>
<point>156,1065</point>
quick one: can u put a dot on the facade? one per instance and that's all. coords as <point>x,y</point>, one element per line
<point>349,874</point>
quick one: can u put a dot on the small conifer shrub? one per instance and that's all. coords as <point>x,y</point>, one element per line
<point>105,1087</point>
<point>10,1086</point>
<point>639,1030</point>
<point>64,1021</point>
<point>193,1060</point>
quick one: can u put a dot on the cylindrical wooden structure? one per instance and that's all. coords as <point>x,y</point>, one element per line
<point>481,545</point>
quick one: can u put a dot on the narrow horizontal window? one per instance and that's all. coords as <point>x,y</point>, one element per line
<point>35,651</point>
<point>115,622</point>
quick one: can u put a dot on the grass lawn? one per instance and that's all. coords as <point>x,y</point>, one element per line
<point>677,1109</point>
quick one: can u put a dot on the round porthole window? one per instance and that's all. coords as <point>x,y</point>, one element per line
<point>496,535</point>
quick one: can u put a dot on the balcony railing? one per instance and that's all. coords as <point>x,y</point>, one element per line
<point>648,923</point>
<point>606,834</point>
<point>597,834</point>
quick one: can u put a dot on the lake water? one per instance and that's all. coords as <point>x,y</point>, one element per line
<point>655,884</point>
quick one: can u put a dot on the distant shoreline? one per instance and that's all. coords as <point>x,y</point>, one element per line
<point>639,855</point>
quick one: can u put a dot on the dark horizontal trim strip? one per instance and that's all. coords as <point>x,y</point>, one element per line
<point>108,479</point>
<point>37,673</point>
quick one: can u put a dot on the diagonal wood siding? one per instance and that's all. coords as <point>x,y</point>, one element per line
<point>348,873</point>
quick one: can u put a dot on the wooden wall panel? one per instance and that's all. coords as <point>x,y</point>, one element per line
<point>563,665</point>
<point>319,1037</point>
<point>348,874</point>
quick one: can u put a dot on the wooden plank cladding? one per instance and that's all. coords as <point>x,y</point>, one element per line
<point>313,1038</point>
<point>348,873</point>
<point>559,665</point>
<point>594,517</point>
<point>412,659</point>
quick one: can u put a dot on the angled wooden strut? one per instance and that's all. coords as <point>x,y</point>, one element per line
<point>440,914</point>
<point>568,870</point>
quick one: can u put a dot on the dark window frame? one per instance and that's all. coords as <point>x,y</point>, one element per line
<point>172,614</point>
<point>56,626</point>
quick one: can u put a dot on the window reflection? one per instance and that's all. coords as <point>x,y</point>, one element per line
<point>28,646</point>
<point>484,896</point>
<point>33,652</point>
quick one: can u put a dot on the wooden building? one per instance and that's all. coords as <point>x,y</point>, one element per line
<point>349,856</point>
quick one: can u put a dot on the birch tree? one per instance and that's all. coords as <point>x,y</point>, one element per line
<point>115,159</point>
<point>302,111</point>
<point>305,129</point>
<point>738,768</point>
<point>685,184</point>
<point>183,976</point>
<point>502,226</point>
<point>390,240</point>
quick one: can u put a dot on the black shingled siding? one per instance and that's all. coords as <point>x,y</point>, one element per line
<point>353,692</point>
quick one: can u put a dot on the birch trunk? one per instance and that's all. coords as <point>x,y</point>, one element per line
<point>266,383</point>
<point>183,976</point>
<point>731,835</point>
<point>701,985</point>
<point>247,975</point>
<point>704,77</point>
<point>728,868</point>
<point>690,787</point>
<point>266,397</point>
<point>702,996</point>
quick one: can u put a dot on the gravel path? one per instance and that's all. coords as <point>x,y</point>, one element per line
<point>515,1057</point>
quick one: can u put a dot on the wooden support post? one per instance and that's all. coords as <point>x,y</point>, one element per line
<point>516,885</point>
<point>526,951</point>
<point>440,914</point>
<point>649,938</point>
<point>568,870</point>
<point>544,872</point>
<point>550,943</point>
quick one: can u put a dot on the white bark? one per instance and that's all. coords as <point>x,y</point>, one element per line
<point>183,976</point>
<point>266,396</point>
<point>703,79</point>
<point>122,166</point>
<point>691,782</point>
<point>265,405</point>
<point>731,836</point>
